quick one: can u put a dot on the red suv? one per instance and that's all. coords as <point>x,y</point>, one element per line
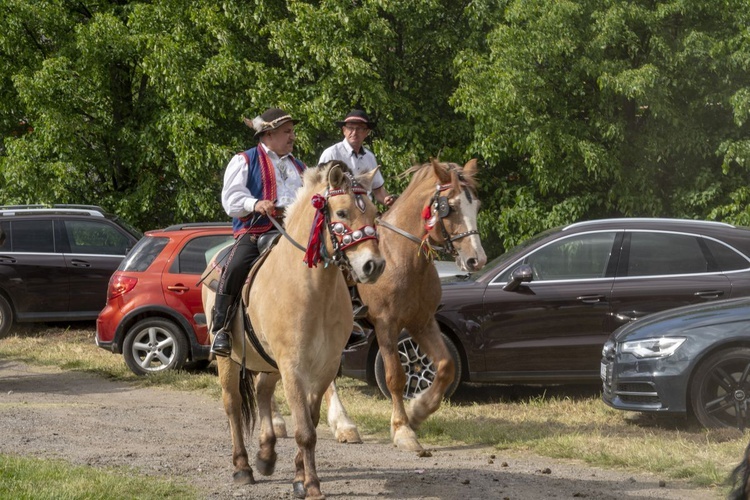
<point>154,313</point>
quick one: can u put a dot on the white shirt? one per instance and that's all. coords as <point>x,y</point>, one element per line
<point>236,197</point>
<point>358,163</point>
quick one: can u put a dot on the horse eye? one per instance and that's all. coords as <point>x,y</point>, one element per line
<point>342,214</point>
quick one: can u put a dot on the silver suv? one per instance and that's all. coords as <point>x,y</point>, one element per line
<point>56,261</point>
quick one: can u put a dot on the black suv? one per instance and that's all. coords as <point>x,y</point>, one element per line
<point>56,261</point>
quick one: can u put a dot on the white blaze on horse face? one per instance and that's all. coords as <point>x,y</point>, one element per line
<point>471,256</point>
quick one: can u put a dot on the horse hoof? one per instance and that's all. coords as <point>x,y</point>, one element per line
<point>299,489</point>
<point>242,477</point>
<point>405,439</point>
<point>348,435</point>
<point>265,467</point>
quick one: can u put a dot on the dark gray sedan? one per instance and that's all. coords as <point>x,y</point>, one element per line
<point>693,359</point>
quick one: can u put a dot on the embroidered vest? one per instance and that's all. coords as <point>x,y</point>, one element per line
<point>261,181</point>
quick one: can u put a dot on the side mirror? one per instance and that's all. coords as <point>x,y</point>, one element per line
<point>521,274</point>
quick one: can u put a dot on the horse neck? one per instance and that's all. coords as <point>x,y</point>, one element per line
<point>298,225</point>
<point>406,214</point>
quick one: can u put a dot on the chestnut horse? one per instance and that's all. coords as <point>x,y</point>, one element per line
<point>301,317</point>
<point>438,207</point>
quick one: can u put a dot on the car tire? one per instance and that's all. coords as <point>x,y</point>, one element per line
<point>720,389</point>
<point>6,317</point>
<point>420,371</point>
<point>154,345</point>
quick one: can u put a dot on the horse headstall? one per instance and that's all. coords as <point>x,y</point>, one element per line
<point>342,236</point>
<point>439,208</point>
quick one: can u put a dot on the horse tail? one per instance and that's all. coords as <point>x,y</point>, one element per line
<point>249,406</point>
<point>740,478</point>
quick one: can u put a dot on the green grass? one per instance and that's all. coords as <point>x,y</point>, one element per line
<point>31,478</point>
<point>561,422</point>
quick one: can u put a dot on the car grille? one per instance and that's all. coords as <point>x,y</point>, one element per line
<point>637,392</point>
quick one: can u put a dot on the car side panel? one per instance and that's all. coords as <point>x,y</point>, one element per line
<point>44,287</point>
<point>546,327</point>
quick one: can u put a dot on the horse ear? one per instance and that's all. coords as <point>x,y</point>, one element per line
<point>441,171</point>
<point>335,176</point>
<point>366,179</point>
<point>470,169</point>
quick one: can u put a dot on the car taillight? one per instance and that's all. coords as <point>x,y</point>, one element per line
<point>120,284</point>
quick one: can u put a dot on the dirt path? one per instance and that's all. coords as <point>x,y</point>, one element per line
<point>88,420</point>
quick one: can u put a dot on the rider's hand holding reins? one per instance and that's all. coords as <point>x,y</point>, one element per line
<point>265,207</point>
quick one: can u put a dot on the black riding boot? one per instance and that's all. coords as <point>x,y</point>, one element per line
<point>222,344</point>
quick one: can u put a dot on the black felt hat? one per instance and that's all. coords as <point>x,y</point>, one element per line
<point>356,116</point>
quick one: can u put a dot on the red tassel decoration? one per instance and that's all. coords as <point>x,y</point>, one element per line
<point>312,254</point>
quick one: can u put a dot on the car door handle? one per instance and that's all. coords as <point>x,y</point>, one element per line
<point>178,288</point>
<point>709,294</point>
<point>80,263</point>
<point>4,259</point>
<point>591,299</point>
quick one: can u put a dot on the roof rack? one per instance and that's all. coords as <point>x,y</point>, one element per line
<point>193,225</point>
<point>92,210</point>
<point>647,219</point>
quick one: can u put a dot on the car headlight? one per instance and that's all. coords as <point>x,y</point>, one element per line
<point>652,348</point>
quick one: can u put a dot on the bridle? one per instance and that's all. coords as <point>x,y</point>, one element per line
<point>440,209</point>
<point>433,215</point>
<point>342,236</point>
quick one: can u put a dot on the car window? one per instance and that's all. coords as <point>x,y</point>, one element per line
<point>143,254</point>
<point>196,254</point>
<point>653,254</point>
<point>727,258</point>
<point>93,237</point>
<point>583,256</point>
<point>32,236</point>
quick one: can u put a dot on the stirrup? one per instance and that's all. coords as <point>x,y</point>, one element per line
<point>222,344</point>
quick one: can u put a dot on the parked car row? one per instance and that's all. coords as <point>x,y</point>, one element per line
<point>542,312</point>
<point>559,308</point>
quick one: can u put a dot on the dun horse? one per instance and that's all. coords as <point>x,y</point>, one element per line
<point>438,207</point>
<point>302,319</point>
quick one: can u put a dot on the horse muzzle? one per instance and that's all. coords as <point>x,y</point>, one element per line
<point>367,269</point>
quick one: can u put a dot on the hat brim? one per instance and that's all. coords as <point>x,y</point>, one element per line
<point>249,123</point>
<point>370,125</point>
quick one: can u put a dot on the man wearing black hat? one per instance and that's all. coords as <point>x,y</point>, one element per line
<point>256,183</point>
<point>356,126</point>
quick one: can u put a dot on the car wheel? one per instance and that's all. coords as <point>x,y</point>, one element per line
<point>6,317</point>
<point>720,390</point>
<point>420,372</point>
<point>154,345</point>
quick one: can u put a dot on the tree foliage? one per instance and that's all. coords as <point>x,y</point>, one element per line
<point>585,109</point>
<point>577,108</point>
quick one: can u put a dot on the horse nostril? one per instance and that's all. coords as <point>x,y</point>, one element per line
<point>471,264</point>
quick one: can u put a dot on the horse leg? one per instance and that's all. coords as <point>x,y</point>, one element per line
<point>279,425</point>
<point>428,402</point>
<point>265,460</point>
<point>402,434</point>
<point>306,414</point>
<point>341,425</point>
<point>229,378</point>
